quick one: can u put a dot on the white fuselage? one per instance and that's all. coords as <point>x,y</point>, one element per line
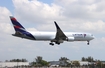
<point>73,36</point>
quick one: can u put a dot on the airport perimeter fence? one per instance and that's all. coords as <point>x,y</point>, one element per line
<point>64,67</point>
<point>55,67</point>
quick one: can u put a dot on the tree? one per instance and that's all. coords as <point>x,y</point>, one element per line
<point>18,60</point>
<point>64,59</point>
<point>40,61</point>
<point>76,63</point>
<point>89,59</point>
<point>23,60</point>
<point>83,59</point>
<point>44,63</point>
<point>98,63</point>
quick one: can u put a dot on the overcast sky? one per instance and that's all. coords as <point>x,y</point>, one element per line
<point>39,15</point>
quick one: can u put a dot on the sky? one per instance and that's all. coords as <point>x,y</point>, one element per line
<point>39,15</point>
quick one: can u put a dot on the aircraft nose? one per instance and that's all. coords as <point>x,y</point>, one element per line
<point>92,37</point>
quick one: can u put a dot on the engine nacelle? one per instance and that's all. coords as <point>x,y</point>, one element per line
<point>70,39</point>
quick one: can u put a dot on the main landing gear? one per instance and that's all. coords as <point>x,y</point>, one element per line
<point>51,43</point>
<point>57,43</point>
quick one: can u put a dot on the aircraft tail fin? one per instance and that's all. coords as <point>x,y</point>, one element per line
<point>20,31</point>
<point>17,26</point>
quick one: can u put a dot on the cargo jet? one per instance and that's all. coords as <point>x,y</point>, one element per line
<point>57,37</point>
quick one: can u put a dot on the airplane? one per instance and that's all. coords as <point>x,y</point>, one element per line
<point>57,37</point>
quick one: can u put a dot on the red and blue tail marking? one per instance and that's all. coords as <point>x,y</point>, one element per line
<point>20,29</point>
<point>17,25</point>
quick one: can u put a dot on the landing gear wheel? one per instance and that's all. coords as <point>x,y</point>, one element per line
<point>88,43</point>
<point>57,43</point>
<point>51,43</point>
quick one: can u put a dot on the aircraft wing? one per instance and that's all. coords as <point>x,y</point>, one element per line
<point>59,33</point>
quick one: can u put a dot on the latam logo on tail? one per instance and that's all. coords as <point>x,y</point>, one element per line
<point>57,37</point>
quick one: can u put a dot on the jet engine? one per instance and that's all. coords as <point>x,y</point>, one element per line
<point>70,39</point>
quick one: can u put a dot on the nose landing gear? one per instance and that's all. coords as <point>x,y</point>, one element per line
<point>87,42</point>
